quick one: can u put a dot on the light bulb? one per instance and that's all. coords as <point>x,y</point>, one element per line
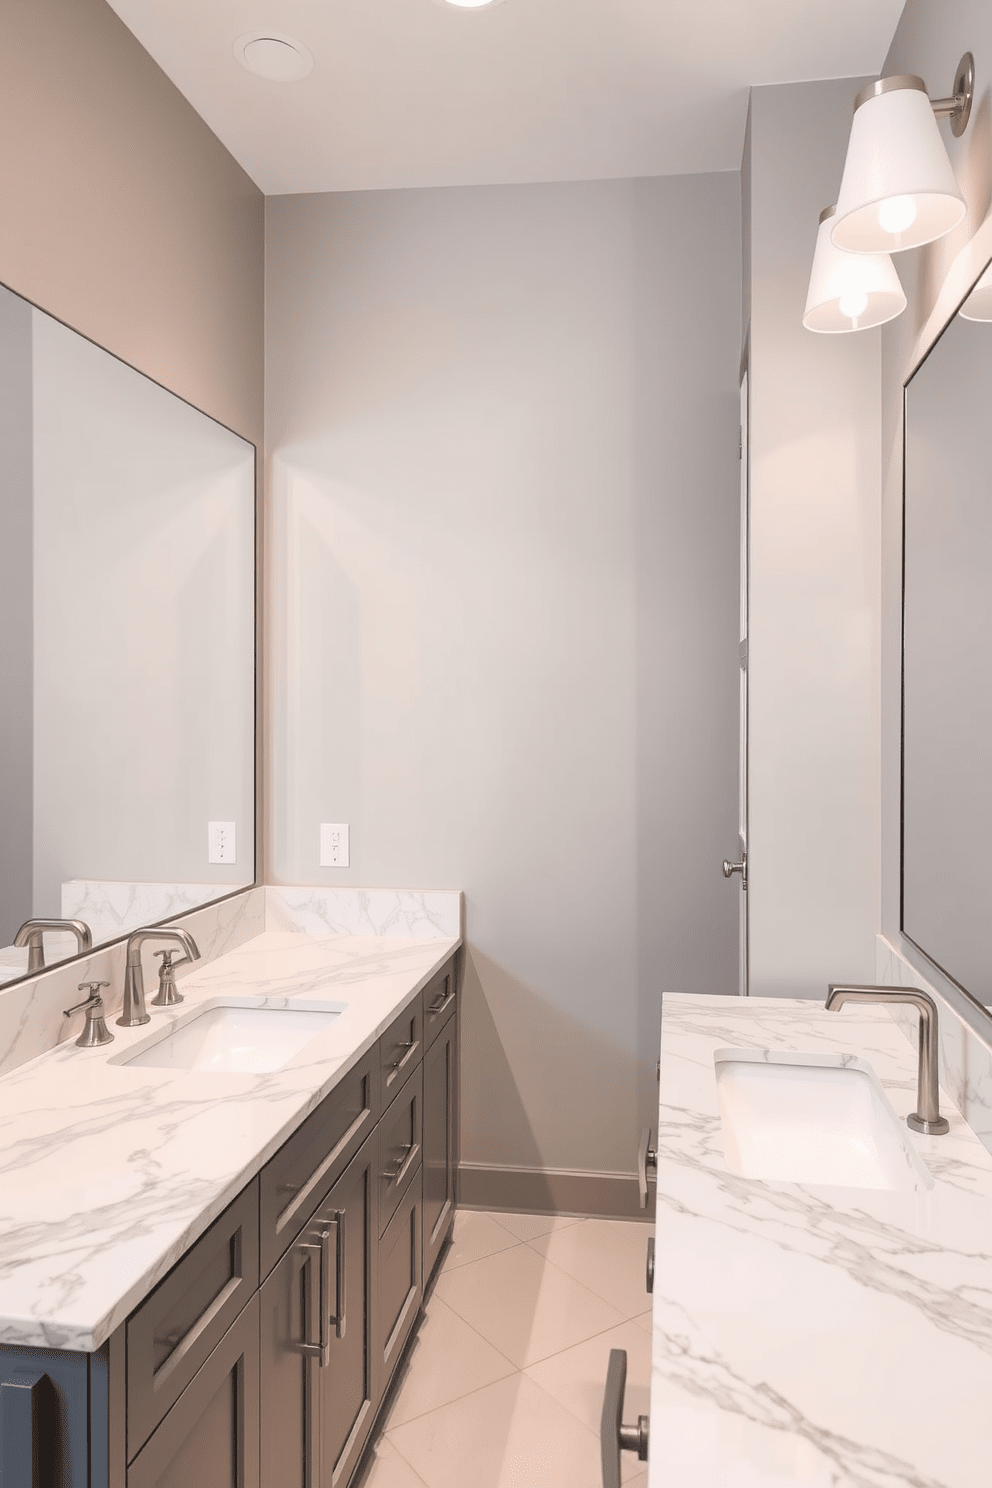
<point>852,303</point>
<point>897,214</point>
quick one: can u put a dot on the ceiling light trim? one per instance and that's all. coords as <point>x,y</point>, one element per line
<point>305,64</point>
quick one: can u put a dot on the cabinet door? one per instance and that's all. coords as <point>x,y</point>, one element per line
<point>209,1439</point>
<point>401,1288</point>
<point>347,1226</point>
<point>440,1141</point>
<point>289,1359</point>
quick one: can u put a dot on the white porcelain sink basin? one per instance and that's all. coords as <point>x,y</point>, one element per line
<point>235,1039</point>
<point>812,1118</point>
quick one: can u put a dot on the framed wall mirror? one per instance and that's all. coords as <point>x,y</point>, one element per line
<point>946,887</point>
<point>127,645</point>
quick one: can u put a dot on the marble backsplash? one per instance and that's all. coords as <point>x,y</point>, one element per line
<point>31,1011</point>
<point>965,1058</point>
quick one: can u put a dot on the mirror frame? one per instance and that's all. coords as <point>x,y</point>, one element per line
<point>256,684</point>
<point>972,1000</point>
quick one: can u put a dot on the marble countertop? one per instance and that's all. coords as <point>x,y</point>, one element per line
<point>108,1173</point>
<point>814,1336</point>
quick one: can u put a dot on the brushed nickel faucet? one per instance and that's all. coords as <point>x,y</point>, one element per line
<point>134,1010</point>
<point>926,1118</point>
<point>32,932</point>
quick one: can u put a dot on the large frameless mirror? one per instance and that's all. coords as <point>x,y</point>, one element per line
<point>947,660</point>
<point>127,583</point>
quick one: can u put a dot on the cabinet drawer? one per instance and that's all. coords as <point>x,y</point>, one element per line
<point>295,1181</point>
<point>173,1331</point>
<point>210,1437</point>
<point>401,1288</point>
<point>400,1048</point>
<point>401,1137</point>
<point>439,996</point>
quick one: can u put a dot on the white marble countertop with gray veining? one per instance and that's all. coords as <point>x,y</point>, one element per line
<point>814,1336</point>
<point>108,1173</point>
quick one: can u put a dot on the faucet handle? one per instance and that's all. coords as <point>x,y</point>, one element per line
<point>96,1031</point>
<point>167,994</point>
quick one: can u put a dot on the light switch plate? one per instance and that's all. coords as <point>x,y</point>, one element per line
<point>222,843</point>
<point>335,848</point>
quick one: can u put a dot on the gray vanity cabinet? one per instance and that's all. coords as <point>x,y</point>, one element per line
<point>440,1133</point>
<point>262,1358</point>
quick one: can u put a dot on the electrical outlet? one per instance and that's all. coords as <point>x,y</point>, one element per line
<point>221,842</point>
<point>335,849</point>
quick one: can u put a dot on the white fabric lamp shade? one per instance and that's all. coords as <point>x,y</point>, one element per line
<point>850,291</point>
<point>978,305</point>
<point>899,189</point>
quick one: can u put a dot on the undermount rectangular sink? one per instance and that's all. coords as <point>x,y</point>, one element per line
<point>812,1118</point>
<point>235,1039</point>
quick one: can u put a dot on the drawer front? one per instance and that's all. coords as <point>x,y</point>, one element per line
<point>440,997</point>
<point>400,1049</point>
<point>401,1139</point>
<point>295,1181</point>
<point>210,1437</point>
<point>401,1288</point>
<point>173,1331</point>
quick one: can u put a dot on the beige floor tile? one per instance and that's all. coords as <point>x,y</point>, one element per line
<point>509,1435</point>
<point>644,1321</point>
<point>606,1255</point>
<point>523,1306</point>
<point>448,1360</point>
<point>577,1377</point>
<point>528,1226</point>
<point>388,1469</point>
<point>476,1235</point>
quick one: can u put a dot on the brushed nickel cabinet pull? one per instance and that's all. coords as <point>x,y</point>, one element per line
<point>614,1436</point>
<point>321,1350</point>
<point>647,1162</point>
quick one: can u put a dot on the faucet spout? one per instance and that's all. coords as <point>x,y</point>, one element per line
<point>926,1118</point>
<point>134,1011</point>
<point>31,934</point>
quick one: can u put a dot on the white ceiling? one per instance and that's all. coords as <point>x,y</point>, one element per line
<point>416,93</point>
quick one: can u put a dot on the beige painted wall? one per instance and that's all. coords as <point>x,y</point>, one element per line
<point>815,499</point>
<point>120,212</point>
<point>502,424</point>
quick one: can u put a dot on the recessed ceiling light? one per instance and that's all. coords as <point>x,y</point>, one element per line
<point>267,54</point>
<point>469,4</point>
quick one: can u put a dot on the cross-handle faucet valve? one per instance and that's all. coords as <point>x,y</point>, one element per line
<point>134,1011</point>
<point>926,1118</point>
<point>96,1031</point>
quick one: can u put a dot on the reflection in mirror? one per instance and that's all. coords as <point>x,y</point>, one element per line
<point>947,662</point>
<point>126,644</point>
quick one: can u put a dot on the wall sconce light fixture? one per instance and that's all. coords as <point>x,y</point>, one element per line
<point>899,189</point>
<point>978,305</point>
<point>850,291</point>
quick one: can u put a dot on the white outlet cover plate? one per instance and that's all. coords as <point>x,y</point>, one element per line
<point>222,844</point>
<point>335,847</point>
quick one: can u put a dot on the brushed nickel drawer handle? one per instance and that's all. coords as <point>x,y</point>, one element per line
<point>189,1339</point>
<point>439,1007</point>
<point>614,1436</point>
<point>407,1045</point>
<point>649,1276</point>
<point>404,1165</point>
<point>647,1162</point>
<point>340,1317</point>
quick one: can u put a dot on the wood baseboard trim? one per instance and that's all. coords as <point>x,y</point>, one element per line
<point>551,1191</point>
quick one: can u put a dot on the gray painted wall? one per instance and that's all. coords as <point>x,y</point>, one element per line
<point>16,617</point>
<point>815,515</point>
<point>502,425</point>
<point>929,40</point>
